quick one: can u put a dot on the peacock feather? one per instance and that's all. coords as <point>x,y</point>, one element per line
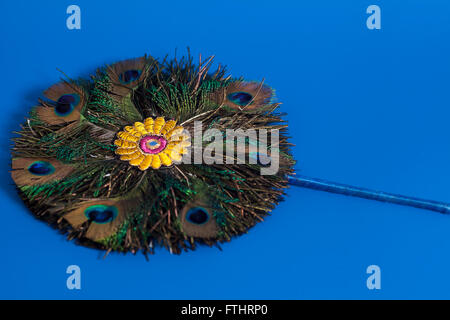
<point>111,160</point>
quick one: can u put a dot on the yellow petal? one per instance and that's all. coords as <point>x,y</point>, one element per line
<point>127,136</point>
<point>175,132</point>
<point>139,126</point>
<point>175,155</point>
<point>179,137</point>
<point>128,157</point>
<point>170,145</point>
<point>137,161</point>
<point>179,144</point>
<point>168,126</point>
<point>169,149</point>
<point>145,163</point>
<point>159,123</point>
<point>156,162</point>
<point>148,125</point>
<point>125,144</point>
<point>165,159</point>
<point>122,151</point>
<point>184,151</point>
<point>133,131</point>
<point>184,144</point>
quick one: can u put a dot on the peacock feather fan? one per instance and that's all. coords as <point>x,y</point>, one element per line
<point>110,161</point>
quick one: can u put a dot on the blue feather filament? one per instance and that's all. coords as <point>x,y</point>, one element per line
<point>197,215</point>
<point>240,98</point>
<point>129,76</point>
<point>101,214</point>
<point>41,168</point>
<point>66,104</point>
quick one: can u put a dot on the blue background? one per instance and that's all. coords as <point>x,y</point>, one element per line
<point>369,108</point>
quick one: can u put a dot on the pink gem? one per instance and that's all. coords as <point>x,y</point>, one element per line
<point>146,144</point>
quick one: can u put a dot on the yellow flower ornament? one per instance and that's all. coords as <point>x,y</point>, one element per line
<point>153,143</point>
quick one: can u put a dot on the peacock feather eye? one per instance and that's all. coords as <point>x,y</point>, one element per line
<point>197,215</point>
<point>101,213</point>
<point>66,104</point>
<point>129,76</point>
<point>240,98</point>
<point>41,168</point>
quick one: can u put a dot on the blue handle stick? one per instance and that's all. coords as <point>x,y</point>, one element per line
<point>323,185</point>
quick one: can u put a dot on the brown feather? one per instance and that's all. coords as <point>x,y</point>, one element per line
<point>23,177</point>
<point>206,230</point>
<point>46,111</point>
<point>116,73</point>
<point>261,95</point>
<point>96,231</point>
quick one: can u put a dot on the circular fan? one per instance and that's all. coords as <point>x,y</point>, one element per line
<point>114,161</point>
